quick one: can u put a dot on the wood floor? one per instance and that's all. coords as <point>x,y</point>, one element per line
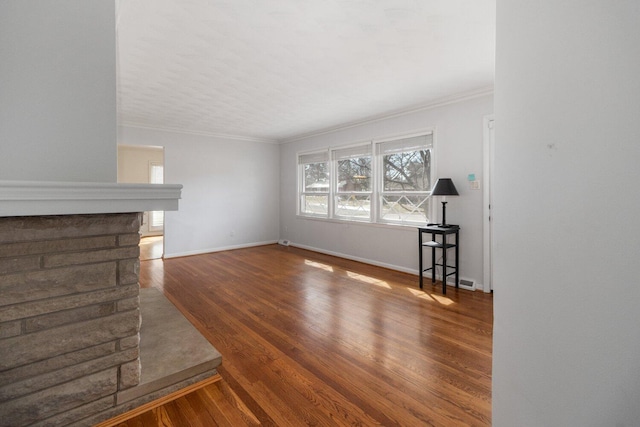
<point>310,339</point>
<point>151,247</point>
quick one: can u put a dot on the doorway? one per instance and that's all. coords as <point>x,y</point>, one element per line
<point>145,165</point>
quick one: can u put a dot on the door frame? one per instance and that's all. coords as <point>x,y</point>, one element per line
<point>488,148</point>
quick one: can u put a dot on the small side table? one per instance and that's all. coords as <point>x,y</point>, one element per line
<point>435,230</point>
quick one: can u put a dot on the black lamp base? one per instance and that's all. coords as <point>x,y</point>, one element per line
<point>444,216</point>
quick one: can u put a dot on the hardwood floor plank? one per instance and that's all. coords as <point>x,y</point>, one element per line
<point>245,398</point>
<point>162,417</point>
<point>180,415</point>
<point>206,413</point>
<point>230,405</point>
<point>311,339</point>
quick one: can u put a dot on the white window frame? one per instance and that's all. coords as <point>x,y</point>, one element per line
<point>333,154</point>
<point>404,144</point>
<point>306,159</point>
<point>345,153</point>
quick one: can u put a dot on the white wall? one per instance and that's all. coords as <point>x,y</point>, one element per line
<point>458,134</point>
<point>230,194</point>
<point>567,294</point>
<point>57,90</point>
<point>134,161</point>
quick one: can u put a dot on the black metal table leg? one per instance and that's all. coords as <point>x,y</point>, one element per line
<point>444,264</point>
<point>457,269</point>
<point>420,254</point>
<point>433,261</point>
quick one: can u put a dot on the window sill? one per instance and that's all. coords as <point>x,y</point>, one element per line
<point>399,227</point>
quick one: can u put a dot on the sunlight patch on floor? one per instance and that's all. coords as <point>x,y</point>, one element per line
<point>324,267</point>
<point>368,279</point>
<point>441,299</point>
<point>151,247</point>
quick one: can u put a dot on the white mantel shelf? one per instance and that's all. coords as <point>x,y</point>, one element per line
<point>30,198</point>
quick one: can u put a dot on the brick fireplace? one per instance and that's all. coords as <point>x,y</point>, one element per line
<point>69,315</point>
<point>70,302</point>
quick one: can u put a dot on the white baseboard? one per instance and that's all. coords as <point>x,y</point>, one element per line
<point>380,264</point>
<point>354,258</point>
<point>219,249</point>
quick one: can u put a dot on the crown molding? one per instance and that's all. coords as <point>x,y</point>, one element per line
<point>200,133</point>
<point>453,99</point>
<point>28,198</point>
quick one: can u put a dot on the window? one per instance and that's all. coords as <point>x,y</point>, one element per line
<point>352,199</point>
<point>314,184</point>
<point>156,176</point>
<point>386,182</point>
<point>406,179</point>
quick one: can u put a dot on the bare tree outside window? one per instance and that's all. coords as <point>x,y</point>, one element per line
<point>406,182</point>
<point>353,192</point>
<point>316,177</point>
<point>341,183</point>
<point>354,174</point>
<point>314,199</point>
<point>408,171</point>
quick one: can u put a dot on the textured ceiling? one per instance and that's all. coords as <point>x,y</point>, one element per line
<point>277,69</point>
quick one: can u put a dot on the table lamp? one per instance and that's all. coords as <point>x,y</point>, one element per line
<point>444,187</point>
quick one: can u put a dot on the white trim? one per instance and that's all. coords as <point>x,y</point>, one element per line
<point>315,156</point>
<point>487,200</point>
<point>358,259</point>
<point>219,249</point>
<point>411,271</point>
<point>201,133</point>
<point>429,106</point>
<point>28,198</point>
<point>379,185</point>
<point>389,225</point>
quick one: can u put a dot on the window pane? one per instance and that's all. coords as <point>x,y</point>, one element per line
<point>316,204</point>
<point>316,177</point>
<point>354,174</point>
<point>353,206</point>
<point>157,174</point>
<point>405,208</point>
<point>156,219</point>
<point>408,171</point>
